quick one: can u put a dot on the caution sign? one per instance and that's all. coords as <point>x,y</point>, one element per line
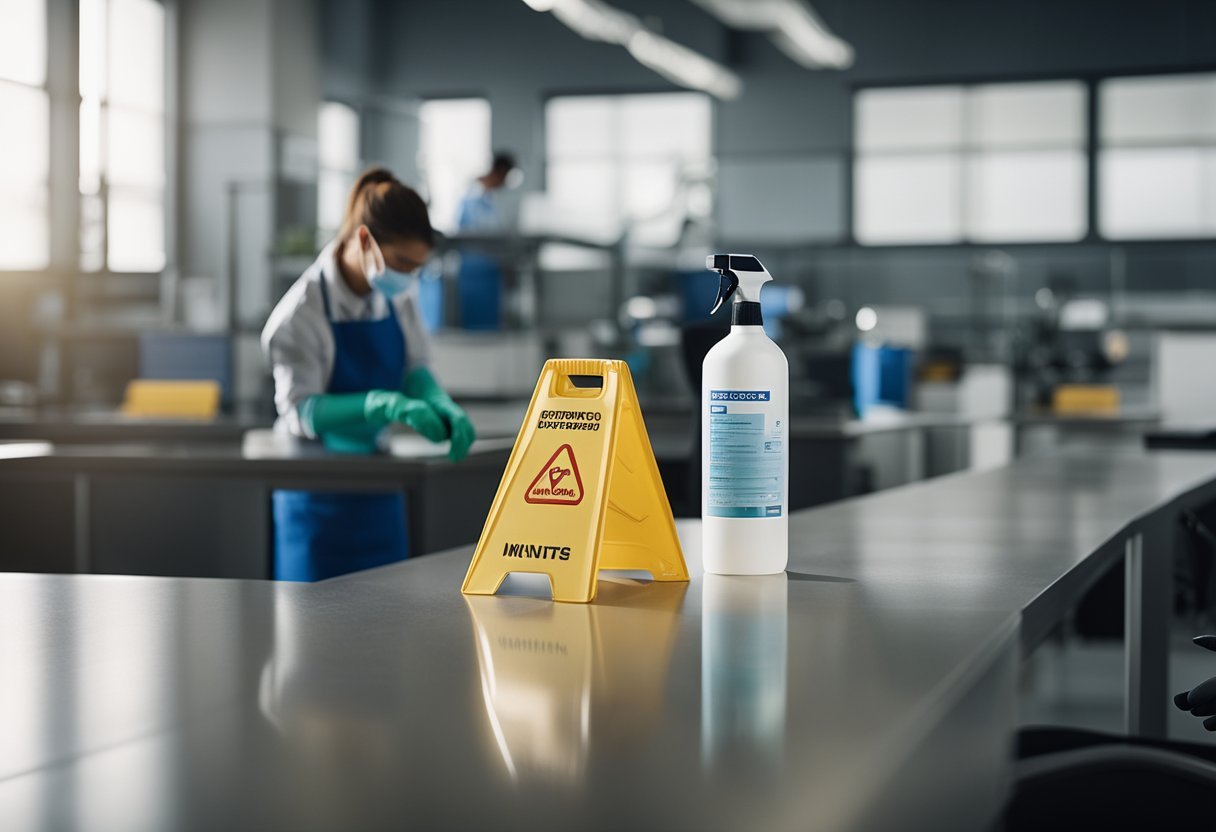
<point>559,482</point>
<point>581,491</point>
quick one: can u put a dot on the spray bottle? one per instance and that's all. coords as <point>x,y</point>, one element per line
<point>745,415</point>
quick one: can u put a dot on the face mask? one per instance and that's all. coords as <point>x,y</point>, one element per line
<point>391,283</point>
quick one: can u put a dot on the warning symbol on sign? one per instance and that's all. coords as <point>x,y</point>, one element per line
<point>558,482</point>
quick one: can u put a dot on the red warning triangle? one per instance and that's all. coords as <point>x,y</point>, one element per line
<point>558,482</point>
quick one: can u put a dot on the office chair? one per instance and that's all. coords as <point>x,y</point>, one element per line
<point>1082,780</point>
<point>1073,779</point>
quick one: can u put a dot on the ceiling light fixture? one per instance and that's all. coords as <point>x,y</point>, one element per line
<point>598,21</point>
<point>791,24</point>
<point>682,65</point>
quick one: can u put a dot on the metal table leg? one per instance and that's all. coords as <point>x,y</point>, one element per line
<point>1149,556</point>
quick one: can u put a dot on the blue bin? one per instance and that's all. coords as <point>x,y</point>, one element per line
<point>430,301</point>
<point>881,375</point>
<point>479,292</point>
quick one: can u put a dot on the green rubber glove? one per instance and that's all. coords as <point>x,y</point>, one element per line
<point>365,413</point>
<point>421,384</point>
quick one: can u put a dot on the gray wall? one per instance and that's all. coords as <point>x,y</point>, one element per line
<point>250,81</point>
<point>516,57</point>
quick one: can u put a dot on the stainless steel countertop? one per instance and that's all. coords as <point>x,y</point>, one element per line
<point>262,453</point>
<point>102,425</point>
<point>107,425</point>
<point>386,699</point>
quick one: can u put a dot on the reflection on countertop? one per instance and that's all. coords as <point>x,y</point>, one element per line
<point>744,637</point>
<point>557,678</point>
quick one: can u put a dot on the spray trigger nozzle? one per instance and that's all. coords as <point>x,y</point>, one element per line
<point>743,276</point>
<point>726,288</point>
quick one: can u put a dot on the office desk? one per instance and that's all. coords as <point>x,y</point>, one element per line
<point>871,688</point>
<point>203,509</point>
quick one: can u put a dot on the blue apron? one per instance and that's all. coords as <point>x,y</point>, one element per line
<point>318,535</point>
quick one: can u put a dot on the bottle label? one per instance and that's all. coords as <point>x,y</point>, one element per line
<point>746,455</point>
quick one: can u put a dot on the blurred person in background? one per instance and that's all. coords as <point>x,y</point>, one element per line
<point>350,357</point>
<point>479,282</point>
<point>479,210</point>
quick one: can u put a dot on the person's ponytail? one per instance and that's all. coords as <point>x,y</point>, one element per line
<point>391,210</point>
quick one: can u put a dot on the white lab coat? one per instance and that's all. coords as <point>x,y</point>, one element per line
<point>299,342</point>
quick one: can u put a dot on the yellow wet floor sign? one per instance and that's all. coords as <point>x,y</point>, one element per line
<point>581,491</point>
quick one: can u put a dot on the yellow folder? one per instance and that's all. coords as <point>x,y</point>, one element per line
<point>148,398</point>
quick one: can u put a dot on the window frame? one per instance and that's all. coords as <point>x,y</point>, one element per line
<point>1098,146</point>
<point>48,91</point>
<point>64,200</point>
<point>421,168</point>
<point>351,174</point>
<point>1093,237</point>
<point>966,151</point>
<point>169,133</point>
<point>616,156</point>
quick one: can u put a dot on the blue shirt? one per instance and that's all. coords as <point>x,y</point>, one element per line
<point>478,210</point>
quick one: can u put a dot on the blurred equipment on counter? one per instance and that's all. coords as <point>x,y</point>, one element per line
<point>903,326</point>
<point>149,399</point>
<point>980,391</point>
<point>1085,398</point>
<point>884,357</point>
<point>1073,348</point>
<point>17,394</point>
<point>488,365</point>
<point>184,356</point>
<point>1184,396</point>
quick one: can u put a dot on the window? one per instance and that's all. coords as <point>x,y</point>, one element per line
<point>991,163</point>
<point>25,114</point>
<point>629,160</point>
<point>122,135</point>
<point>1157,157</point>
<point>338,152</point>
<point>453,150</point>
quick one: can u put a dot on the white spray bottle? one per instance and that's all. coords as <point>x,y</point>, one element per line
<point>745,414</point>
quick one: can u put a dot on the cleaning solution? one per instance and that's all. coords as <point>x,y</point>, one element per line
<point>745,416</point>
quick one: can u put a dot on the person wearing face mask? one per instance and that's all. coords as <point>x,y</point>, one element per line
<point>350,357</point>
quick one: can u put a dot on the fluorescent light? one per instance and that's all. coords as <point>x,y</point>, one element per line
<point>793,26</point>
<point>804,37</point>
<point>598,21</point>
<point>682,65</point>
